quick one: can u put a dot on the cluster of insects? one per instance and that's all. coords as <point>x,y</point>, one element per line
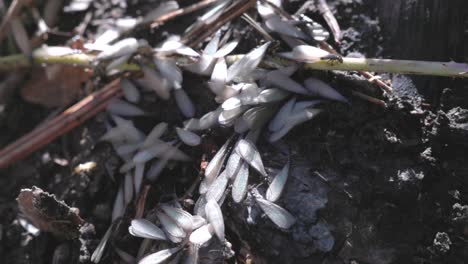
<point>250,98</point>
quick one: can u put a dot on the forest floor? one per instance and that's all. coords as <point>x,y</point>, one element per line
<point>390,184</point>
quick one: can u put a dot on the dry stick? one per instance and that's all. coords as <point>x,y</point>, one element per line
<point>434,68</point>
<point>13,10</point>
<point>369,98</point>
<point>140,207</point>
<point>69,119</point>
<point>181,11</point>
<point>207,30</point>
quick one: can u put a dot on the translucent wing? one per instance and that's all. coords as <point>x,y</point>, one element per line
<point>145,229</point>
<point>250,154</point>
<point>239,187</point>
<point>241,68</point>
<point>277,185</point>
<point>159,257</point>
<point>215,217</point>
<point>276,213</point>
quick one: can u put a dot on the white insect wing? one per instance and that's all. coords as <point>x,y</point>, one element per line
<point>250,154</point>
<point>281,117</point>
<point>155,134</point>
<point>239,187</point>
<point>169,70</point>
<point>276,187</point>
<point>120,48</point>
<point>145,229</point>
<point>226,49</point>
<point>305,53</point>
<point>128,188</point>
<point>217,188</point>
<point>119,206</point>
<point>131,93</point>
<point>138,177</point>
<point>275,23</point>
<point>281,80</point>
<point>271,95</point>
<point>233,164</point>
<point>159,257</point>
<point>210,119</point>
<point>299,106</point>
<point>198,221</point>
<point>170,226</point>
<point>180,216</point>
<point>122,108</point>
<point>320,88</point>
<point>185,104</point>
<point>202,234</point>
<point>241,68</point>
<point>213,44</point>
<point>214,166</point>
<point>218,77</point>
<point>188,137</point>
<point>156,82</point>
<point>276,213</point>
<point>215,217</point>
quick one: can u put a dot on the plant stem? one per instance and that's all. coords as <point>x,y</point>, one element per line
<point>448,69</point>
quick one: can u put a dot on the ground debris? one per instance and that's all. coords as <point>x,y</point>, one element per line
<point>49,214</point>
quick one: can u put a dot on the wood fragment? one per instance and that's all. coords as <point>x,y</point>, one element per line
<point>58,126</point>
<point>180,12</point>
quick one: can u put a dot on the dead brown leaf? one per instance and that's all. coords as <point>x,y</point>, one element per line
<point>48,214</point>
<point>55,85</point>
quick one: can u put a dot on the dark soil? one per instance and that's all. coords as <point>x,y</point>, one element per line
<point>368,184</point>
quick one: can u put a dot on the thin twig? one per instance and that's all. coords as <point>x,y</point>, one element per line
<point>180,12</point>
<point>434,68</point>
<point>13,11</point>
<point>197,36</point>
<point>52,129</point>
<point>369,98</point>
<point>140,206</point>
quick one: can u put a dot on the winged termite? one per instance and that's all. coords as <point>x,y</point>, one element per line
<point>180,216</point>
<point>170,226</point>
<point>122,108</point>
<point>214,166</point>
<point>160,256</point>
<point>241,68</point>
<point>183,101</point>
<point>305,53</point>
<point>276,187</point>
<point>320,88</point>
<point>202,234</point>
<point>130,91</point>
<point>250,154</point>
<point>215,217</point>
<point>188,137</point>
<point>276,213</point>
<point>239,186</point>
<point>217,188</point>
<point>282,115</point>
<point>154,135</point>
<point>145,229</point>
<point>120,48</point>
